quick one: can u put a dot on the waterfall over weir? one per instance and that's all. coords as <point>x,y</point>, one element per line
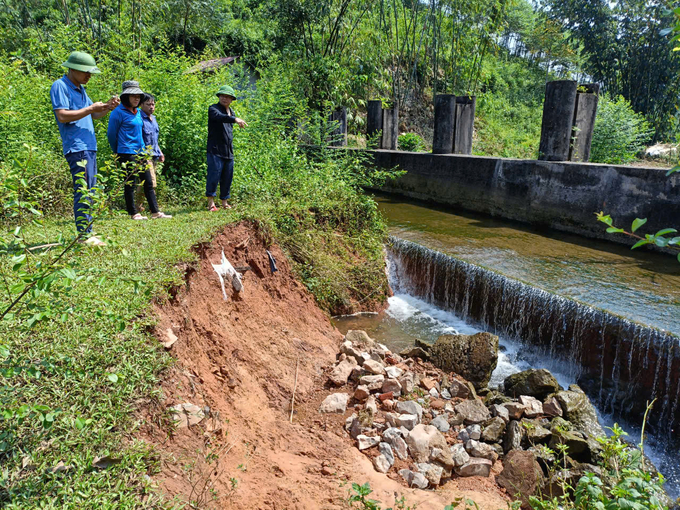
<point>619,363</point>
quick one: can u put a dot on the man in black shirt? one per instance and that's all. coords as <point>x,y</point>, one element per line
<point>221,120</point>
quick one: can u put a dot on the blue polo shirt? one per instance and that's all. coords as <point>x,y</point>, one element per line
<point>150,134</point>
<point>78,135</point>
<point>125,131</point>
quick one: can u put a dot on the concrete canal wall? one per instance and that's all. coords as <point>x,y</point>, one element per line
<point>559,195</point>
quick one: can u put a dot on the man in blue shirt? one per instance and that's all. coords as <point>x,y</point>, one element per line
<point>150,132</point>
<point>74,110</point>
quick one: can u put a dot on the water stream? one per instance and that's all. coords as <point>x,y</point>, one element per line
<point>588,311</point>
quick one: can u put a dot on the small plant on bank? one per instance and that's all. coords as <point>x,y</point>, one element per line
<point>662,238</point>
<point>359,498</point>
<point>411,142</point>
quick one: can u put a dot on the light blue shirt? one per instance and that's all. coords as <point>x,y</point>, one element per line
<point>78,135</point>
<point>125,131</point>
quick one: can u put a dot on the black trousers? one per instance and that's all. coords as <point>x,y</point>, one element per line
<point>137,170</point>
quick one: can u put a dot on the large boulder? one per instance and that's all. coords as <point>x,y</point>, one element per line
<point>472,356</point>
<point>535,383</point>
<point>521,475</point>
<point>580,411</point>
<point>422,439</point>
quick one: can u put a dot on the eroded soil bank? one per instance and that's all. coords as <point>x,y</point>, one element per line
<point>239,361</point>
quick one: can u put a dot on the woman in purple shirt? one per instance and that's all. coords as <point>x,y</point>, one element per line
<point>125,137</point>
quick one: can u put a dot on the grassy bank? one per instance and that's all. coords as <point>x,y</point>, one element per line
<point>72,386</point>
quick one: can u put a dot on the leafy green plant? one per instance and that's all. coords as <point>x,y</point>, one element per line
<point>663,238</point>
<point>411,142</point>
<point>619,133</point>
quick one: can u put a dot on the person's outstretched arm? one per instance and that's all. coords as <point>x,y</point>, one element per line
<point>216,115</point>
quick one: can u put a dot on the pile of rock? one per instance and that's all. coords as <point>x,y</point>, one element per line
<point>430,425</point>
<point>409,415</point>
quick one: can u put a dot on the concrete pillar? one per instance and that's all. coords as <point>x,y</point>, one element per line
<point>374,120</point>
<point>465,124</point>
<point>338,134</point>
<point>558,117</point>
<point>584,121</point>
<point>444,123</point>
<point>390,128</point>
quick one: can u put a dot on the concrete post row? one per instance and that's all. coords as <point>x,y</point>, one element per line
<point>465,123</point>
<point>338,135</point>
<point>454,120</point>
<point>584,121</point>
<point>568,121</point>
<point>374,121</point>
<point>444,123</point>
<point>390,128</point>
<point>558,118</point>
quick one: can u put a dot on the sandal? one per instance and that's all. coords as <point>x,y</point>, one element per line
<point>226,206</point>
<point>160,215</point>
<point>138,217</point>
<point>94,241</point>
<point>213,208</point>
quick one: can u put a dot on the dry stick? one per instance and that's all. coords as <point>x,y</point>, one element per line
<point>642,434</point>
<point>292,402</point>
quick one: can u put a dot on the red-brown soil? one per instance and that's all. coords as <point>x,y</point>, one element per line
<point>240,357</point>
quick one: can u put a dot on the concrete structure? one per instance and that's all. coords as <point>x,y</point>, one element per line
<point>465,121</point>
<point>562,195</point>
<point>558,118</point>
<point>338,135</point>
<point>444,123</point>
<point>584,122</point>
<point>390,127</point>
<point>374,120</point>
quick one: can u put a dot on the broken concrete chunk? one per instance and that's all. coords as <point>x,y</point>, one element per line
<point>532,406</point>
<point>365,442</point>
<point>186,414</point>
<point>475,467</point>
<point>170,338</point>
<point>381,464</point>
<point>407,421</point>
<point>335,403</point>
<point>374,367</point>
<point>414,479</point>
<point>342,371</point>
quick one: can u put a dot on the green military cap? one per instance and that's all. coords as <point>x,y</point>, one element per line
<point>226,90</point>
<point>81,61</point>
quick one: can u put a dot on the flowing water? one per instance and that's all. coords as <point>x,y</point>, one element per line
<point>586,310</point>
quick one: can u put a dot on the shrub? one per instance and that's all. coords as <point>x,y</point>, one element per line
<point>411,142</point>
<point>620,133</point>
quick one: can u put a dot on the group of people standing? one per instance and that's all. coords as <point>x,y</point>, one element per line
<point>133,136</point>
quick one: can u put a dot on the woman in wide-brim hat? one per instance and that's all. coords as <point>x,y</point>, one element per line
<point>125,137</point>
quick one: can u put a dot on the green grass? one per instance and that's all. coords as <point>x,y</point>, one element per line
<point>100,362</point>
<point>75,359</point>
